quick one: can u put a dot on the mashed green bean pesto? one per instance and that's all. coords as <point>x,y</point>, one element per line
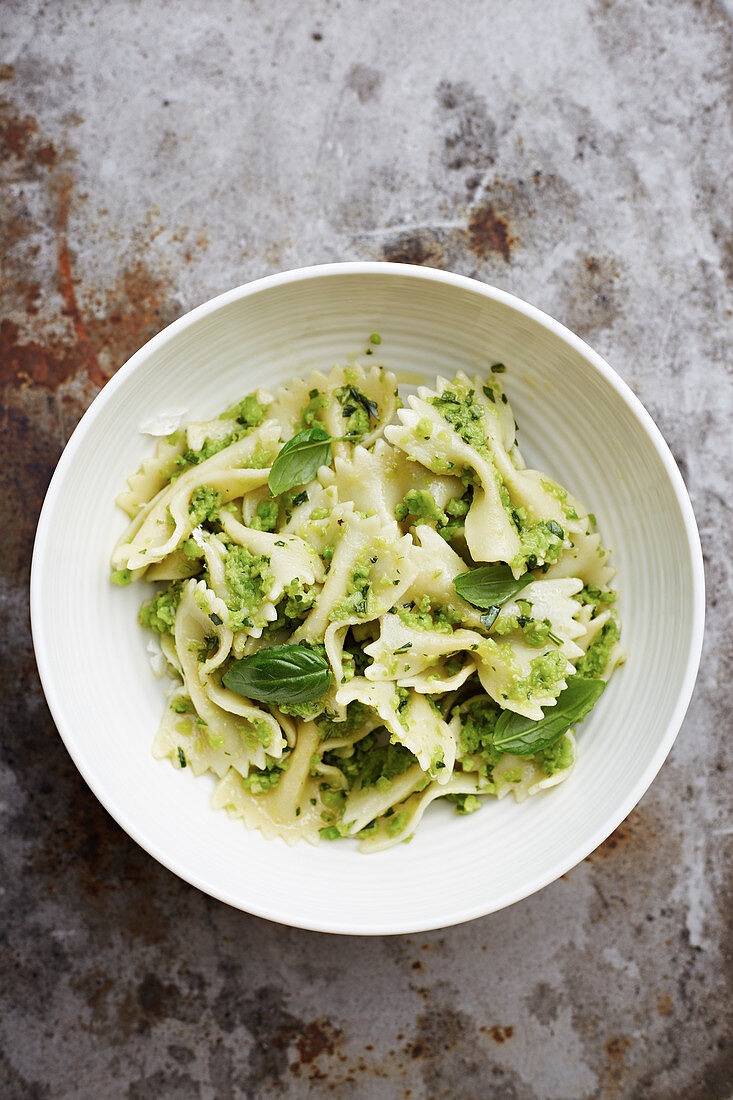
<point>361,608</point>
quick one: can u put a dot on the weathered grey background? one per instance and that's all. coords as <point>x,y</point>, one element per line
<point>156,153</point>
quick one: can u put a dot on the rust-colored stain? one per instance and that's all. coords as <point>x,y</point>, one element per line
<point>417,965</point>
<point>42,346</point>
<point>413,248</point>
<point>134,308</point>
<point>18,133</point>
<point>614,1069</point>
<point>29,292</point>
<point>317,1038</point>
<point>489,232</point>
<point>616,1047</point>
<point>665,1005</point>
<point>87,355</point>
<point>24,362</point>
<point>486,233</point>
<point>499,1034</point>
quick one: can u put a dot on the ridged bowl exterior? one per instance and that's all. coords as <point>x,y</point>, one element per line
<point>577,420</point>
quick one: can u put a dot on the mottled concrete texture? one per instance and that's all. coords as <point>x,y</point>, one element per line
<point>155,153</point>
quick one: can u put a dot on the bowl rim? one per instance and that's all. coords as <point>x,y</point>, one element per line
<point>106,794</point>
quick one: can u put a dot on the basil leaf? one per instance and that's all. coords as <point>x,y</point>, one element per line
<point>280,674</point>
<point>489,585</point>
<point>298,461</point>
<point>522,737</point>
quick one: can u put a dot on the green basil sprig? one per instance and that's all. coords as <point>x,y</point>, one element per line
<point>522,737</point>
<point>489,586</point>
<point>280,674</point>
<point>298,461</point>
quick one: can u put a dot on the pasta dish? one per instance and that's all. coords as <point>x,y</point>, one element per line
<point>363,607</point>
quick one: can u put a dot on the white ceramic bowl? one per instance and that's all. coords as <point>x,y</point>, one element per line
<point>577,420</point>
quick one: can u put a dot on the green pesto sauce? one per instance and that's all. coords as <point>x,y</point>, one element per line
<point>266,516</point>
<point>248,412</point>
<point>422,616</point>
<point>210,448</point>
<point>354,660</point>
<point>358,593</point>
<point>556,758</point>
<point>260,460</point>
<point>159,614</point>
<point>460,408</point>
<point>260,782</point>
<point>260,734</point>
<point>453,663</point>
<point>397,823</point>
<point>465,803</point>
<point>309,414</point>
<point>554,489</point>
<point>205,650</point>
<point>595,596</point>
<point>375,765</point>
<point>593,663</point>
<point>547,674</point>
<point>248,578</point>
<point>419,506</point>
<point>192,550</point>
<point>357,410</point>
<point>464,413</point>
<point>204,504</point>
<point>298,601</point>
<point>562,495</point>
<point>306,711</point>
<point>292,608</point>
<point>182,705</point>
<point>477,726</point>
<point>334,800</point>
<point>540,544</point>
<point>356,715</point>
<point>437,760</point>
<point>536,631</point>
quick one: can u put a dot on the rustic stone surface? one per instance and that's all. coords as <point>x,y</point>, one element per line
<point>154,154</point>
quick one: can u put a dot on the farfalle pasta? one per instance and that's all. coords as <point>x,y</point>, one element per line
<point>364,607</point>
